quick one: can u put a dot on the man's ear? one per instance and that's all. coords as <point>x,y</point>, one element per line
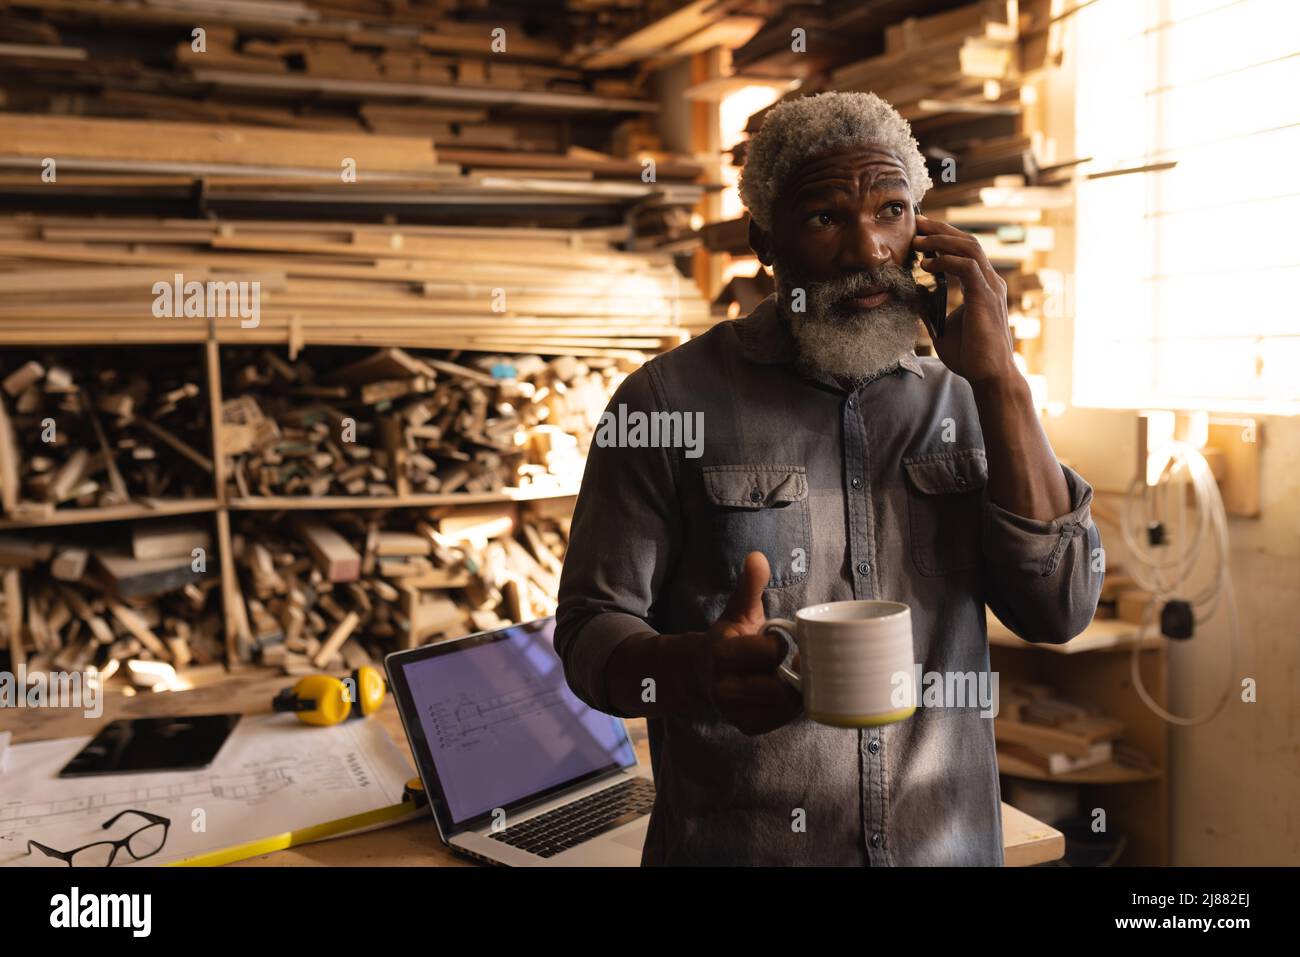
<point>761,242</point>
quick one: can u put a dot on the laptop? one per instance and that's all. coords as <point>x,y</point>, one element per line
<point>518,771</point>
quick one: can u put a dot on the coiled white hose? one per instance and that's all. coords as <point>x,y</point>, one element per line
<point>1164,575</point>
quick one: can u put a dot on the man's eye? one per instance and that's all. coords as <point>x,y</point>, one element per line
<point>821,219</point>
<point>894,209</point>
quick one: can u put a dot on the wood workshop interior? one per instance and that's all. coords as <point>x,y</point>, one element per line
<point>311,312</point>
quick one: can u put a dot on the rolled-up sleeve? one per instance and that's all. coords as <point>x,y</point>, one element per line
<point>1043,579</point>
<point>624,535</point>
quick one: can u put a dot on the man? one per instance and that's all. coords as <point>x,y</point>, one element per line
<point>835,465</point>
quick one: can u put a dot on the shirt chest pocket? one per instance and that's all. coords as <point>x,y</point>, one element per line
<point>761,508</point>
<point>945,505</point>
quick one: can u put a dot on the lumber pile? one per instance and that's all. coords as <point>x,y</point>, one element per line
<point>329,103</point>
<point>112,597</point>
<point>391,422</point>
<point>343,588</point>
<point>613,34</point>
<point>550,291</point>
<point>956,73</point>
<point>137,144</point>
<point>953,60</point>
<point>78,433</point>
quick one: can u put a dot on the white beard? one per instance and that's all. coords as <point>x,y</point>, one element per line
<point>853,345</point>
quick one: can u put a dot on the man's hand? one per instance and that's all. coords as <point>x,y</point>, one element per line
<point>1024,476</point>
<point>743,681</point>
<point>977,342</point>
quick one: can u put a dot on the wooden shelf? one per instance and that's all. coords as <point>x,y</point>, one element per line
<point>1107,773</point>
<point>269,503</point>
<point>114,513</point>
<point>362,89</point>
<point>162,508</point>
<point>1137,801</point>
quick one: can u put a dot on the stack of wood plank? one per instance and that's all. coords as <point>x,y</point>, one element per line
<point>615,34</point>
<point>454,52</point>
<point>1053,736</point>
<point>955,72</point>
<point>393,422</point>
<point>343,588</point>
<point>949,61</point>
<point>52,155</point>
<point>829,34</point>
<point>1122,599</point>
<point>75,432</point>
<point>551,291</point>
<point>328,103</point>
<point>111,595</point>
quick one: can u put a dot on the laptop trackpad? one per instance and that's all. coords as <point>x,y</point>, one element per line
<point>632,837</point>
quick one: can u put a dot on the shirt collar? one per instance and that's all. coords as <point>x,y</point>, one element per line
<point>766,339</point>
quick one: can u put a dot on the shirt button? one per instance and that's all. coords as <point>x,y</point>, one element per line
<point>851,404</point>
<point>873,746</point>
<point>864,567</point>
<point>857,483</point>
<point>877,839</point>
<point>756,496</point>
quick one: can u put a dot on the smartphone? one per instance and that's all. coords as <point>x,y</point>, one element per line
<point>136,745</point>
<point>937,298</point>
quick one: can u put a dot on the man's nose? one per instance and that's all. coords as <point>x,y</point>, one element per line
<point>864,246</point>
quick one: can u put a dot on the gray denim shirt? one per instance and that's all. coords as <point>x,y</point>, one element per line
<point>878,493</point>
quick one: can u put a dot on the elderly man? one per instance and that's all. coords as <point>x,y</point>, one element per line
<point>835,465</point>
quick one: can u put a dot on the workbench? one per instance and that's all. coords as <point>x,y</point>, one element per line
<point>410,844</point>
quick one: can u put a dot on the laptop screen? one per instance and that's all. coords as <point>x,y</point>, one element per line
<point>500,723</point>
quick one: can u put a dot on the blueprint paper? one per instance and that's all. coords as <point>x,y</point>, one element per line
<point>274,774</point>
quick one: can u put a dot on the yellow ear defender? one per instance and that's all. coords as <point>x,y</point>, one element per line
<point>324,700</point>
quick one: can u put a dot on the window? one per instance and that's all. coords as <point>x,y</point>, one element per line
<point>1187,275</point>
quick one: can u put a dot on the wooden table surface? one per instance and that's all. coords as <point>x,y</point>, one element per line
<point>414,843</point>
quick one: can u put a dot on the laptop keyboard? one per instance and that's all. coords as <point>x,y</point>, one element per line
<point>556,831</point>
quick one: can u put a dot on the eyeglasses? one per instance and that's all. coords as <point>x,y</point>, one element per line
<point>141,843</point>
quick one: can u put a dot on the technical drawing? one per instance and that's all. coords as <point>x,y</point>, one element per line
<point>465,721</point>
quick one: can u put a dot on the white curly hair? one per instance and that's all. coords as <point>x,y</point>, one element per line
<point>805,128</point>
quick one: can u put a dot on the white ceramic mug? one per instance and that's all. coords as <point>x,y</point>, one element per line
<point>850,654</point>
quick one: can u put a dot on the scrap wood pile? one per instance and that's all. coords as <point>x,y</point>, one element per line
<point>142,598</point>
<point>75,432</point>
<point>138,279</point>
<point>340,589</point>
<point>393,422</point>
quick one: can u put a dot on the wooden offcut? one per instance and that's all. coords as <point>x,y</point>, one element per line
<point>339,561</point>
